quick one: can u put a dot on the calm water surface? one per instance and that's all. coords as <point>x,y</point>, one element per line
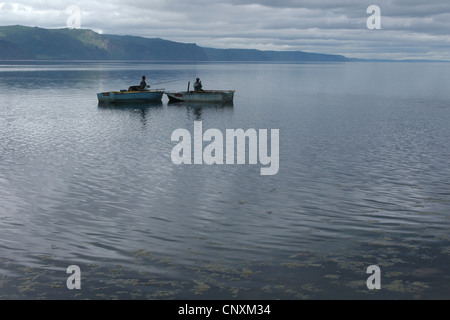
<point>363,180</point>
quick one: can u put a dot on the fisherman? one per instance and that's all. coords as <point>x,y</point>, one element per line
<point>198,85</point>
<point>140,87</point>
<point>144,84</point>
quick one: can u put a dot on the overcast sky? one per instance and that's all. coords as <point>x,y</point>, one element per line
<point>410,29</point>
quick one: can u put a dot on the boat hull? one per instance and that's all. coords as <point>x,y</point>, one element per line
<point>221,96</point>
<point>130,96</point>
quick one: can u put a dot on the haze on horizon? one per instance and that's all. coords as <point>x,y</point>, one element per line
<point>410,29</point>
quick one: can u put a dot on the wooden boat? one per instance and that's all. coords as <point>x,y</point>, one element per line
<point>131,96</point>
<point>222,96</point>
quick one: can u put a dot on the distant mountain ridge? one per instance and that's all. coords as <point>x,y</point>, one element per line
<point>33,43</point>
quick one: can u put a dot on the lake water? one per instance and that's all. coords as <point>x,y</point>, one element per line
<point>364,179</point>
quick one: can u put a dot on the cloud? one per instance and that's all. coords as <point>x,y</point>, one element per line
<point>410,28</point>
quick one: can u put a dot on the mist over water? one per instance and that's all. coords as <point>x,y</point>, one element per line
<point>363,180</point>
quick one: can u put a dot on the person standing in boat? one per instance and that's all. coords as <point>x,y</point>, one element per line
<point>198,85</point>
<point>144,84</point>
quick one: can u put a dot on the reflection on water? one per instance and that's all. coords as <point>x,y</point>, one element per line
<point>196,109</point>
<point>142,109</point>
<point>363,180</point>
<point>217,105</point>
<point>130,105</point>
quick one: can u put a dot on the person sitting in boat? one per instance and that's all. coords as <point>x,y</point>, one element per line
<point>140,87</point>
<point>144,85</point>
<point>198,85</point>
